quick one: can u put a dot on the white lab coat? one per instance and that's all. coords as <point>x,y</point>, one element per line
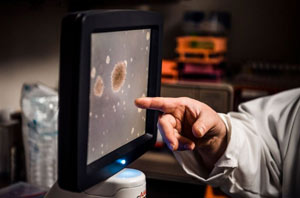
<point>262,158</point>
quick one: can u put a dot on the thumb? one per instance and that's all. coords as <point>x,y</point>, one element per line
<point>201,127</point>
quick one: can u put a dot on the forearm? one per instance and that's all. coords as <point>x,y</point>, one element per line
<point>244,170</point>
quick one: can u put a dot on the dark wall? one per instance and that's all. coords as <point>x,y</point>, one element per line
<point>261,30</point>
<point>30,30</point>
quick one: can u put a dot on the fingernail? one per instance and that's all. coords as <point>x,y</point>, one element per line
<point>201,130</point>
<point>171,146</point>
<point>136,101</point>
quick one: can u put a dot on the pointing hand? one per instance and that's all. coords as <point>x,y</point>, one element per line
<point>187,124</point>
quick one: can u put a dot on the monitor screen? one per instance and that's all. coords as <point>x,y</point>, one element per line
<point>108,59</point>
<point>119,75</point>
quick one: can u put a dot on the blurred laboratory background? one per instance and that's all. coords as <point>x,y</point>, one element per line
<point>221,52</point>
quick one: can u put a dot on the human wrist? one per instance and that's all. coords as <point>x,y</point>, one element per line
<point>215,146</point>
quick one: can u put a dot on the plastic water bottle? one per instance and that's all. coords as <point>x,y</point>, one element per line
<point>39,119</point>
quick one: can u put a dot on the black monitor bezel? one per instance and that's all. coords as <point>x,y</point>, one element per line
<point>73,172</point>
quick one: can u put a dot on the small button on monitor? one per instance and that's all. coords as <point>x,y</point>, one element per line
<point>108,59</point>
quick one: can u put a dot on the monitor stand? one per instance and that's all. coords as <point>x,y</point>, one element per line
<point>127,183</point>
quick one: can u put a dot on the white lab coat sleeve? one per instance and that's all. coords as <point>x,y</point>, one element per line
<point>251,164</point>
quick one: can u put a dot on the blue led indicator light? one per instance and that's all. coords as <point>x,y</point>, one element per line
<point>121,161</point>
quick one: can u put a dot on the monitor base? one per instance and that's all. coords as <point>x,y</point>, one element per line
<point>127,183</point>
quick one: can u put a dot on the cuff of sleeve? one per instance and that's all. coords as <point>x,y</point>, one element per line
<point>223,167</point>
<point>229,158</point>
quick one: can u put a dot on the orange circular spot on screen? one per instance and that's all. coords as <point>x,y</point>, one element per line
<point>118,76</point>
<point>98,87</point>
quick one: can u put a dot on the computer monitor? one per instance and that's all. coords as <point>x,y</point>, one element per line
<point>108,59</point>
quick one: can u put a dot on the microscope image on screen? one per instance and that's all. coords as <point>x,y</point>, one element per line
<point>119,75</point>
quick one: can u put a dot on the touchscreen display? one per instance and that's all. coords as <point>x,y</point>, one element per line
<point>119,75</point>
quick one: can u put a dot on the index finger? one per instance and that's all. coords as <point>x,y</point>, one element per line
<point>165,105</point>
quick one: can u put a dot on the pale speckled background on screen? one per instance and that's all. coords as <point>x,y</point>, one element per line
<point>114,119</point>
